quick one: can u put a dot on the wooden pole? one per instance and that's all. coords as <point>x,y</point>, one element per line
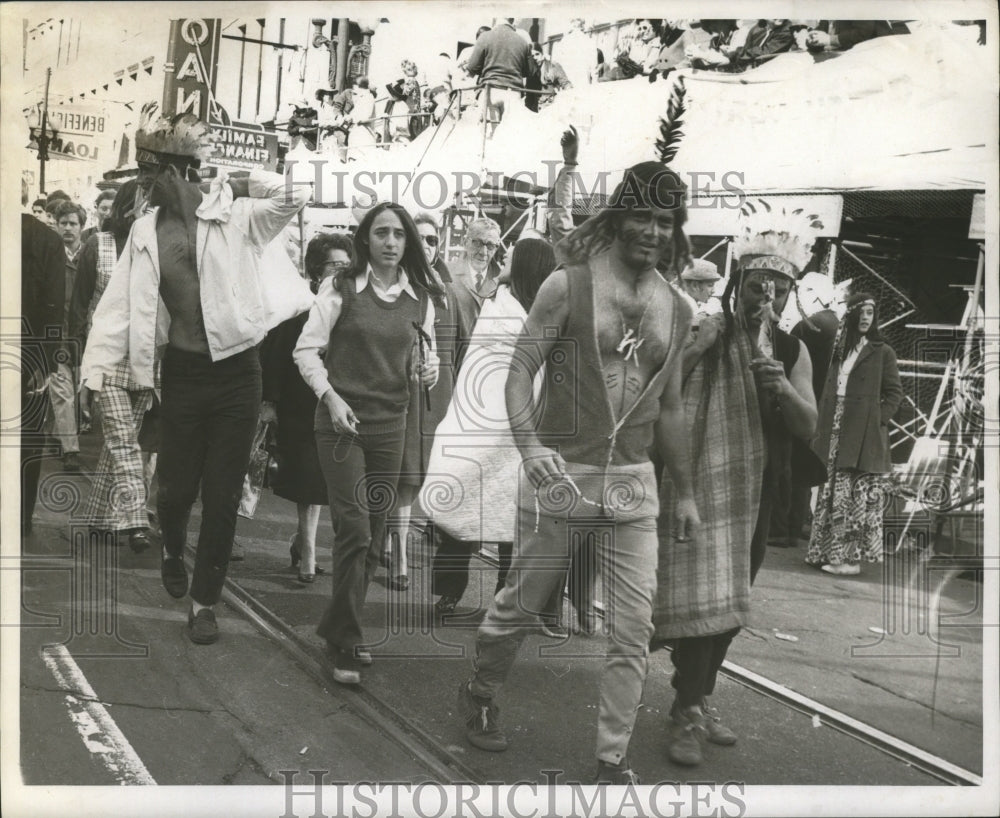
<point>281,65</point>
<point>43,137</point>
<point>243,52</point>
<point>260,63</point>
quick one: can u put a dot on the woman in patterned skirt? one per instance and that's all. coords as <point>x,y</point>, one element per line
<point>860,397</point>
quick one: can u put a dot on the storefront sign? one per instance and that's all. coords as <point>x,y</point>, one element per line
<point>192,55</point>
<point>76,132</point>
<point>244,145</point>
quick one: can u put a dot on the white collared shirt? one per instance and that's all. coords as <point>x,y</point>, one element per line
<point>323,316</point>
<point>847,365</point>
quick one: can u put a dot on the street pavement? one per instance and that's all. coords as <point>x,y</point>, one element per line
<point>241,711</point>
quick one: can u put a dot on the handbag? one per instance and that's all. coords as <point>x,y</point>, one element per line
<point>253,482</point>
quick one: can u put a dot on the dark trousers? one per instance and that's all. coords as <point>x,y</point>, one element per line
<point>208,417</point>
<point>697,659</point>
<point>450,566</point>
<point>361,473</point>
<point>450,572</point>
<point>32,422</point>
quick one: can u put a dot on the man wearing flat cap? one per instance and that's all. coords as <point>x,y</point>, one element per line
<point>698,279</point>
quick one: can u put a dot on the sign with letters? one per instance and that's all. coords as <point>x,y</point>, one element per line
<point>76,132</point>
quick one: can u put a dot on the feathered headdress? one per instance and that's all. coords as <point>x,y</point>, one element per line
<point>182,139</point>
<point>773,238</point>
<point>670,124</point>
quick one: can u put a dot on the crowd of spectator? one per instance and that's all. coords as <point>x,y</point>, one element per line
<point>503,67</point>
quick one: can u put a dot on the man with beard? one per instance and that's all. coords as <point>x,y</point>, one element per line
<point>747,393</point>
<point>189,278</point>
<point>607,324</point>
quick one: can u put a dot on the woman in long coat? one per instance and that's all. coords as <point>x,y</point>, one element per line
<point>860,397</point>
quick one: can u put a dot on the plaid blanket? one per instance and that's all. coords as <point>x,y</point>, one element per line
<point>704,585</point>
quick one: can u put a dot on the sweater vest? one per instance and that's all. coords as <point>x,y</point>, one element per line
<point>577,417</point>
<point>370,355</point>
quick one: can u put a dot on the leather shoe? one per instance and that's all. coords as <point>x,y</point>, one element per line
<point>202,628</point>
<point>138,541</point>
<point>174,576</point>
<point>401,583</point>
<point>554,630</point>
<point>446,605</point>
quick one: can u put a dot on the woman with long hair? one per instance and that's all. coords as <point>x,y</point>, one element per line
<point>860,397</point>
<point>291,404</point>
<point>369,323</point>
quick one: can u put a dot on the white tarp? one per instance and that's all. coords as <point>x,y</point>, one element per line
<point>902,112</point>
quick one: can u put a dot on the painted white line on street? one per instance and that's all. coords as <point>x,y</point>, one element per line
<point>98,730</point>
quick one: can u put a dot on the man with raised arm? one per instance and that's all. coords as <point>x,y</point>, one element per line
<point>609,331</point>
<point>189,280</point>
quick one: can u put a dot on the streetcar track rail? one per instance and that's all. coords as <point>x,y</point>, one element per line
<point>448,767</point>
<point>445,765</point>
<point>910,754</point>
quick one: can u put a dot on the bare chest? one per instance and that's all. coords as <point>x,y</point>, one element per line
<point>636,326</point>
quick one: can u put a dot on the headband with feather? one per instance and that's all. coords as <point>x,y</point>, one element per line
<point>182,139</point>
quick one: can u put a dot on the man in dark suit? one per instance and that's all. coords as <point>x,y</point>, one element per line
<point>43,296</point>
<point>840,35</point>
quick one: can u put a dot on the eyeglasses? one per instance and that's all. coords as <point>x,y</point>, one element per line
<point>337,265</point>
<point>479,244</point>
<point>430,240</point>
<point>643,28</point>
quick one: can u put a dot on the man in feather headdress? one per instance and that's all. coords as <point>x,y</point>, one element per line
<point>747,392</point>
<point>605,324</point>
<point>188,279</point>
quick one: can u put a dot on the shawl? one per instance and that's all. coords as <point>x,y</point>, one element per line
<point>703,586</point>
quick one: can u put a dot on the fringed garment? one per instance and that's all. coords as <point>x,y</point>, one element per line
<point>704,585</point>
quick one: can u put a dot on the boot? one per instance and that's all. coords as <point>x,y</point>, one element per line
<point>687,731</point>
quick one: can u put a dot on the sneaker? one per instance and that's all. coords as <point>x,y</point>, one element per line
<point>715,731</point>
<point>346,676</point>
<point>71,462</point>
<point>202,628</point>
<point>481,726</point>
<point>846,569</point>
<point>620,773</point>
<point>174,576</point>
<point>685,737</point>
<point>345,666</point>
<point>446,605</point>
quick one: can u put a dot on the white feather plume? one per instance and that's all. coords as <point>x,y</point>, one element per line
<point>773,230</point>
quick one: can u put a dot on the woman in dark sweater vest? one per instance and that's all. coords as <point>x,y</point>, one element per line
<point>366,323</point>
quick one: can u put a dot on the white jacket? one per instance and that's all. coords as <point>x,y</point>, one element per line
<point>131,318</point>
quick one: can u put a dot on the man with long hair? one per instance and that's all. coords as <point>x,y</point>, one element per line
<point>198,254</point>
<point>608,328</point>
